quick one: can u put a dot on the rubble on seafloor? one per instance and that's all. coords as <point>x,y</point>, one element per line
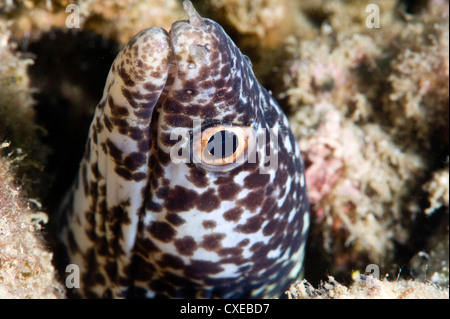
<point>368,287</point>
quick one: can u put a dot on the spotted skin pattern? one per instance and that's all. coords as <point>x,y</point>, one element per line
<point>138,224</point>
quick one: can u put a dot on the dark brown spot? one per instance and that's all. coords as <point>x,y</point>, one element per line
<point>114,151</point>
<point>233,214</point>
<point>178,199</point>
<point>193,109</point>
<point>99,128</point>
<point>269,203</point>
<point>229,118</point>
<point>168,140</point>
<point>281,178</point>
<point>102,190</point>
<point>178,120</point>
<point>252,225</point>
<point>150,87</point>
<point>111,270</point>
<point>231,96</point>
<point>93,277</point>
<point>212,242</point>
<point>244,242</point>
<point>144,145</point>
<point>153,207</point>
<point>131,99</point>
<point>122,124</point>
<point>224,71</point>
<point>164,158</point>
<point>142,270</point>
<point>143,113</point>
<point>208,84</point>
<point>175,219</point>
<point>134,160</point>
<point>104,147</point>
<point>227,179</point>
<point>145,246</point>
<point>257,246</point>
<point>256,179</point>
<point>102,211</point>
<point>123,172</point>
<point>200,269</point>
<point>229,191</point>
<point>184,95</point>
<point>198,178</point>
<point>103,247</point>
<point>117,110</point>
<point>185,246</point>
<point>162,231</point>
<point>108,123</point>
<point>139,176</point>
<point>171,261</point>
<point>94,170</point>
<point>119,214</point>
<point>102,104</point>
<point>147,105</point>
<point>208,201</point>
<point>270,228</point>
<point>220,82</point>
<point>161,287</point>
<point>172,106</point>
<point>93,185</point>
<point>116,218</point>
<point>135,133</point>
<point>90,218</point>
<point>253,200</point>
<point>209,112</point>
<point>209,224</point>
<point>269,190</point>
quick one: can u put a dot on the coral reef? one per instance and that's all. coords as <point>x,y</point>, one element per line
<point>372,122</point>
<point>438,190</point>
<point>431,264</point>
<point>16,100</point>
<point>267,22</point>
<point>26,269</point>
<point>355,184</point>
<point>118,20</point>
<point>367,287</point>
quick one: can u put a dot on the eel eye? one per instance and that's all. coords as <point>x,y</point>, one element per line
<point>223,147</point>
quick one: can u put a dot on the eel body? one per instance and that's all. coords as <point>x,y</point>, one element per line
<point>192,183</point>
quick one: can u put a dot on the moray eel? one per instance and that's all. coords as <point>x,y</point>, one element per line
<point>192,183</point>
